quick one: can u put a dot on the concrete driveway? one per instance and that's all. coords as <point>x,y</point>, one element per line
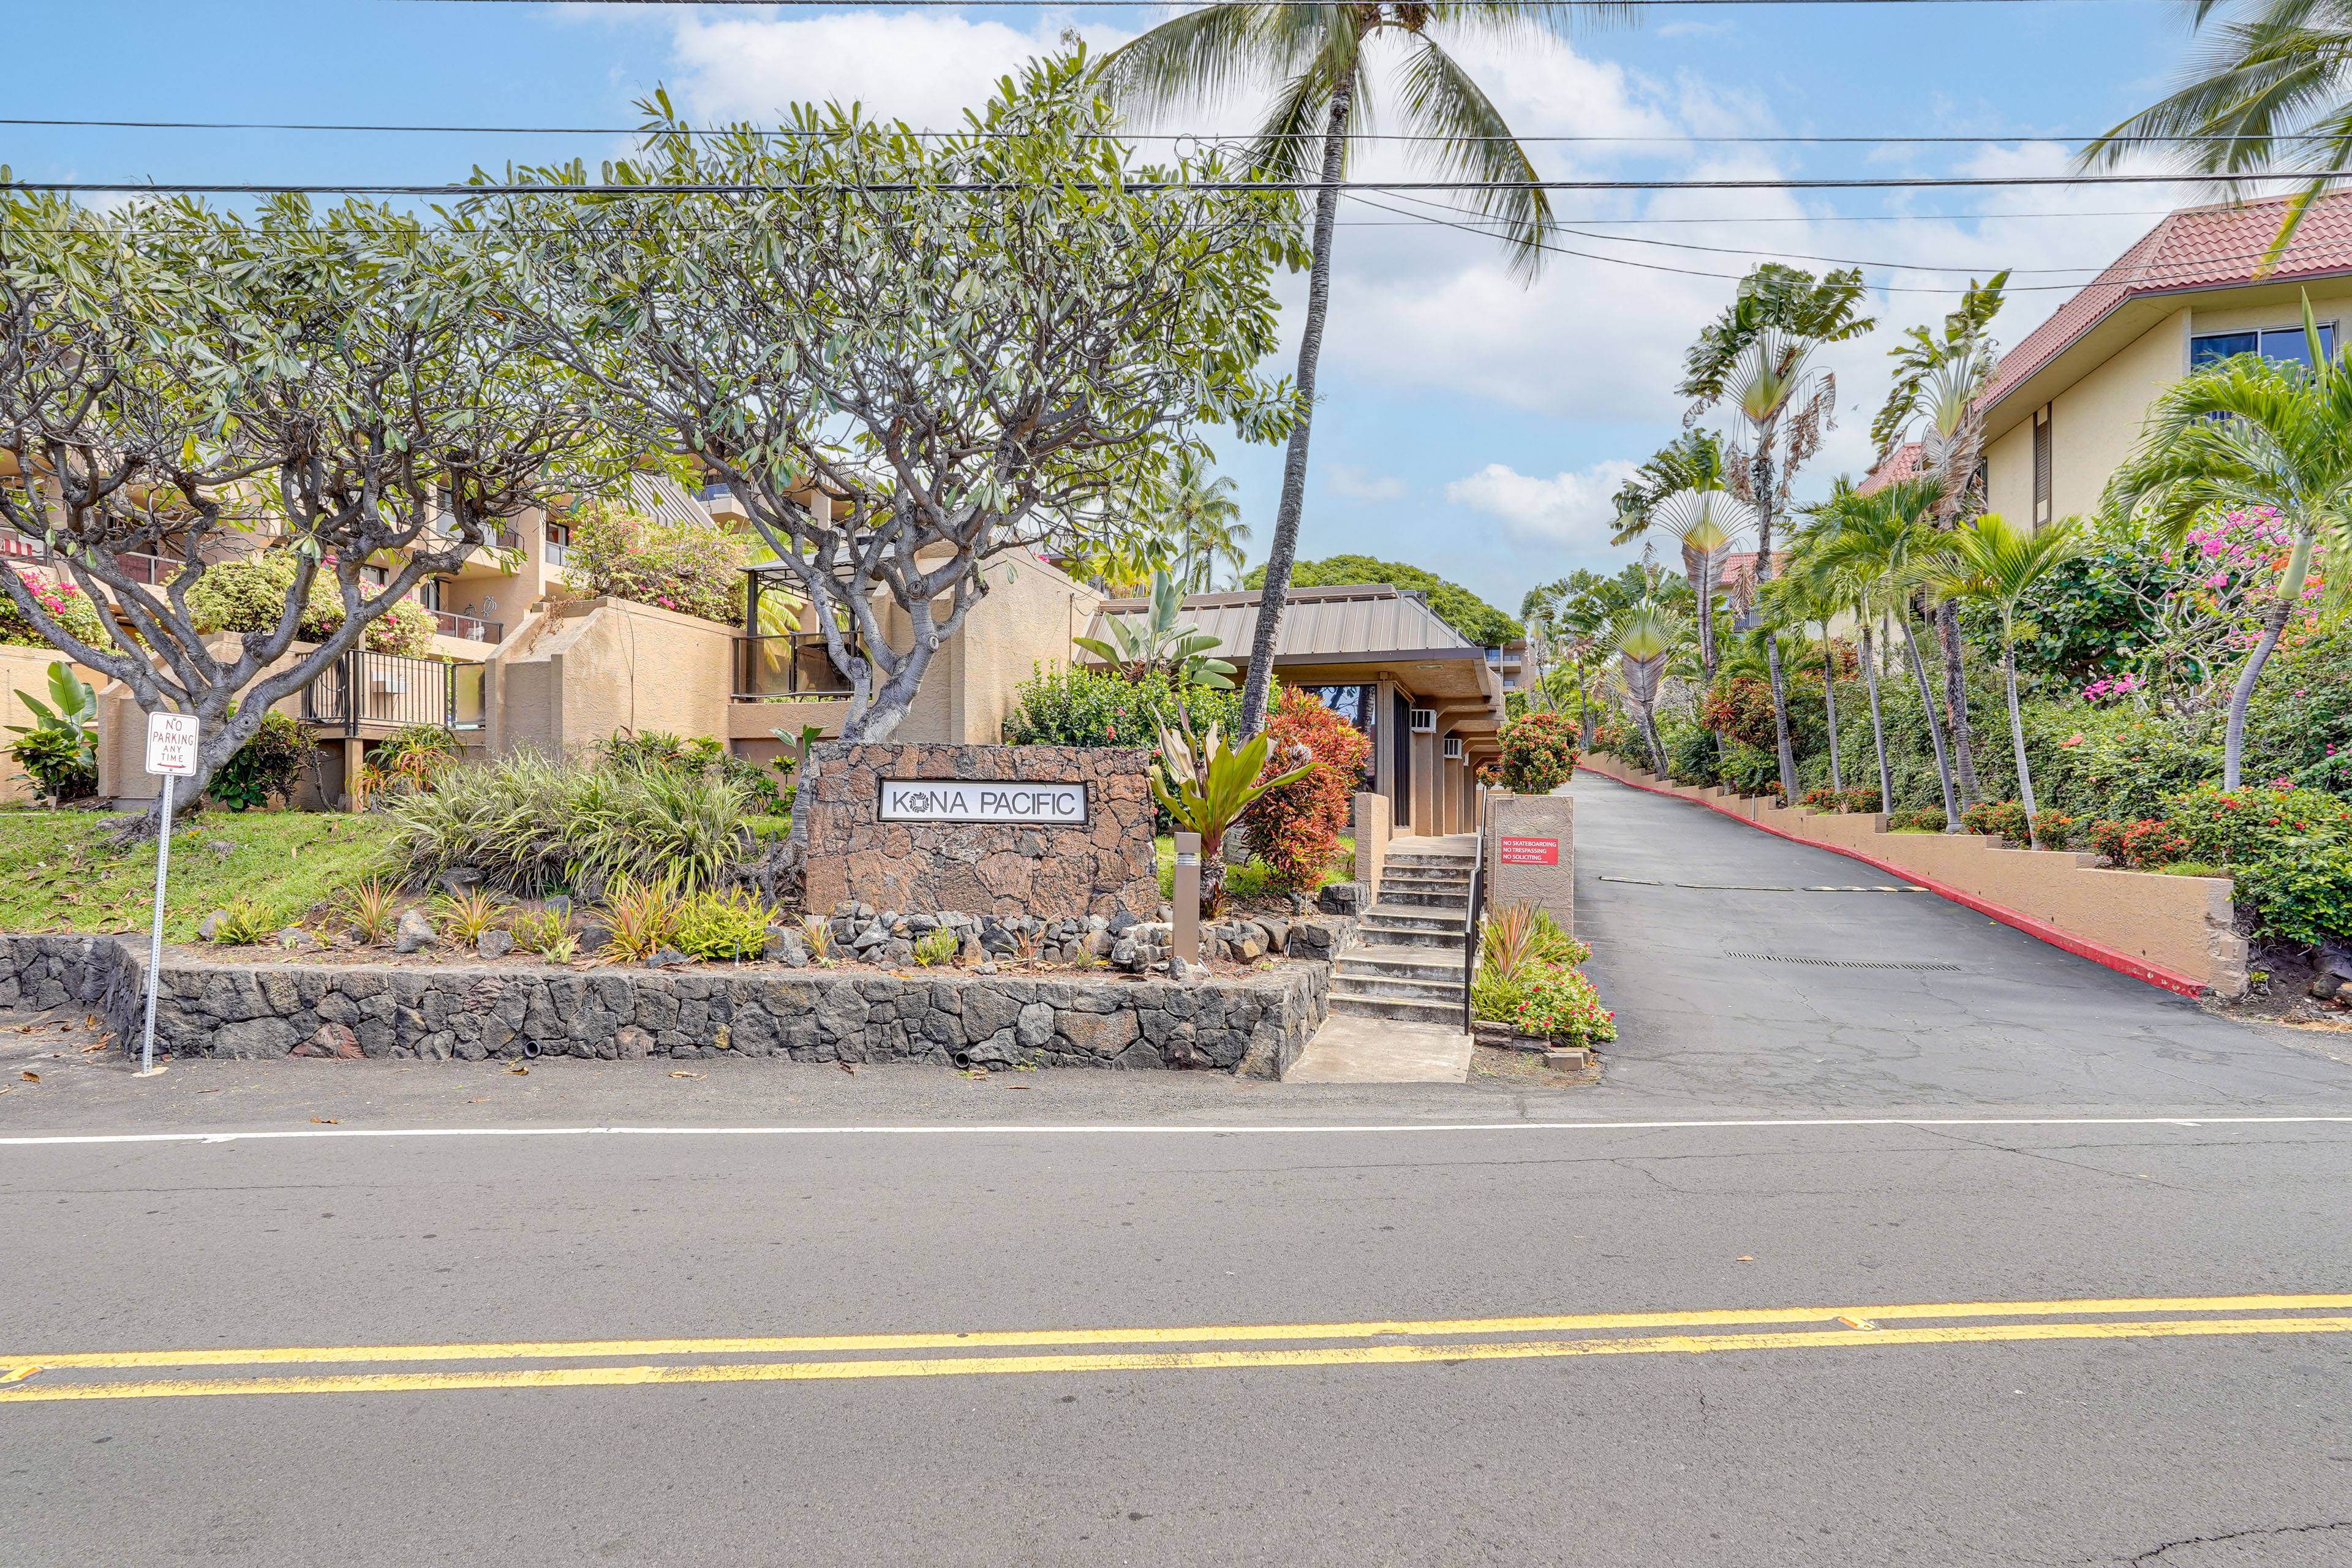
<point>1752,992</point>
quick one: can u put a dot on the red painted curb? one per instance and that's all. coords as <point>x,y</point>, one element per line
<point>2056,936</point>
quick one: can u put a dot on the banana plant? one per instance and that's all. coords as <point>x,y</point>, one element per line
<point>1204,785</point>
<point>1139,645</point>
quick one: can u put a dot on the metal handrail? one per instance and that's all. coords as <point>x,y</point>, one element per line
<point>469,628</point>
<point>1470,925</point>
<point>394,691</point>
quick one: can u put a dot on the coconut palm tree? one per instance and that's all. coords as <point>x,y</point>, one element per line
<point>1204,520</point>
<point>1936,383</point>
<point>1881,539</point>
<point>2244,433</point>
<point>1320,58</point>
<point>1759,357</point>
<point>1996,561</point>
<point>2269,91</point>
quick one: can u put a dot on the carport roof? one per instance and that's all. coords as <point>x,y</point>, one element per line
<point>1354,624</point>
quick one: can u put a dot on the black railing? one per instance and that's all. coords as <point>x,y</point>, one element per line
<point>393,691</point>
<point>791,665</point>
<point>1472,924</point>
<point>468,628</point>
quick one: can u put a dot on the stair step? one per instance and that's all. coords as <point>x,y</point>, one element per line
<point>1426,884</point>
<point>1430,862</point>
<point>1443,988</point>
<point>1403,963</point>
<point>1416,915</point>
<point>1409,936</point>
<point>1417,900</point>
<point>1404,1009</point>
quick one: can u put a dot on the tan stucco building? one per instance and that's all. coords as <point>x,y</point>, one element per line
<point>2065,406</point>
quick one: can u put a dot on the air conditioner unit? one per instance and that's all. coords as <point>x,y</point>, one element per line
<point>392,684</point>
<point>1452,748</point>
<point>1424,720</point>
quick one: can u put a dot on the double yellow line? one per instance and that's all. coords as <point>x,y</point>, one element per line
<point>33,1378</point>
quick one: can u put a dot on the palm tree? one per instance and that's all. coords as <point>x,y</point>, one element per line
<point>2244,433</point>
<point>2268,92</point>
<point>1880,538</point>
<point>1996,561</point>
<point>1758,356</point>
<point>1319,58</point>
<point>1206,521</point>
<point>1706,523</point>
<point>1645,638</point>
<point>1799,600</point>
<point>1691,461</point>
<point>1937,381</point>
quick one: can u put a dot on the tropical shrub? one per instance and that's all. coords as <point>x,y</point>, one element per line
<point>1997,819</point>
<point>1919,819</point>
<point>2240,826</point>
<point>467,915</point>
<point>1822,799</point>
<point>250,596</point>
<point>264,768</point>
<point>543,931</point>
<point>937,946</point>
<point>1082,706</point>
<point>1740,708</point>
<point>690,566</point>
<point>530,824</point>
<point>1538,752</point>
<point>1562,1005</point>
<point>2302,893</point>
<point>413,759</point>
<point>1295,829</point>
<point>2053,828</point>
<point>715,924</point>
<point>66,603</point>
<point>1860,799</point>
<point>245,921</point>
<point>57,765</point>
<point>2141,846</point>
<point>764,787</point>
<point>370,909</point>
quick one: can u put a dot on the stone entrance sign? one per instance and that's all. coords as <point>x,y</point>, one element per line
<point>1055,831</point>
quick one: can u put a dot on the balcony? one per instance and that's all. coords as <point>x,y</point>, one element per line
<point>785,665</point>
<point>392,692</point>
<point>558,555</point>
<point>469,629</point>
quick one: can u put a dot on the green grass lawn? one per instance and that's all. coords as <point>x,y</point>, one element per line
<point>1248,881</point>
<point>58,872</point>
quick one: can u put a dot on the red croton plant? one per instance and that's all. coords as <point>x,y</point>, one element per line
<point>1296,829</point>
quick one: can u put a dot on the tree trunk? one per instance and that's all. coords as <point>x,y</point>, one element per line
<point>2017,737</point>
<point>1284,548</point>
<point>2274,619</point>
<point>1935,730</point>
<point>1956,702</point>
<point>1877,723</point>
<point>1787,748</point>
<point>1829,700</point>
<point>1650,735</point>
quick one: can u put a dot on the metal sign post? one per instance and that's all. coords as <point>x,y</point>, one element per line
<point>171,753</point>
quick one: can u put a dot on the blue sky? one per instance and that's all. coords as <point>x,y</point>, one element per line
<point>1467,426</point>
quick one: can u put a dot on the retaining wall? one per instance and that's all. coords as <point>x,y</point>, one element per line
<point>1255,1025</point>
<point>2174,932</point>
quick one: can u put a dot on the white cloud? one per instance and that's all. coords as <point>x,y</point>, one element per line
<point>925,68</point>
<point>1567,508</point>
<point>1355,483</point>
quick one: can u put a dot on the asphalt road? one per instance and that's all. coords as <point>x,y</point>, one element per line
<point>1207,1268</point>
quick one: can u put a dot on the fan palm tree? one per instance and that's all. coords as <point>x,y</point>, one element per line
<point>1995,562</point>
<point>1645,638</point>
<point>2267,92</point>
<point>1881,539</point>
<point>1798,600</point>
<point>1320,58</point>
<point>1759,357</point>
<point>2244,433</point>
<point>1691,461</point>
<point>1706,523</point>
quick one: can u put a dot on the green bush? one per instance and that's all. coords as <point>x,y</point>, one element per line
<point>2302,893</point>
<point>250,596</point>
<point>937,946</point>
<point>1561,1004</point>
<point>58,765</point>
<point>2234,827</point>
<point>1997,819</point>
<point>1920,819</point>
<point>713,924</point>
<point>1082,706</point>
<point>1538,752</point>
<point>690,565</point>
<point>764,787</point>
<point>264,768</point>
<point>2056,827</point>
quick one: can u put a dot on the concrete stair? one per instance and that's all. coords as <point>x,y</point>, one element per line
<point>1409,967</point>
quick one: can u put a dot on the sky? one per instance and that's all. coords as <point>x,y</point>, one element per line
<point>1465,424</point>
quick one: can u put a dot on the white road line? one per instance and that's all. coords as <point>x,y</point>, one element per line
<point>1086,1129</point>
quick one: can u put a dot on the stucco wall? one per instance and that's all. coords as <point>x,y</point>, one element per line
<point>2181,925</point>
<point>2095,422</point>
<point>578,673</point>
<point>28,669</point>
<point>1540,818</point>
<point>1025,622</point>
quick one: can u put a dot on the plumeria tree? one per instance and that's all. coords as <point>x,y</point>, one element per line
<point>180,383</point>
<point>914,358</point>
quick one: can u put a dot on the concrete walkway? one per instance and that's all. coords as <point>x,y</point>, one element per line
<point>1746,990</point>
<point>1350,1049</point>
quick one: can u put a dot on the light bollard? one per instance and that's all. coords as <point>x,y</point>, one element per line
<point>1186,942</point>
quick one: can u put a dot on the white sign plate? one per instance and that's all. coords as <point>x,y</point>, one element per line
<point>171,743</point>
<point>984,800</point>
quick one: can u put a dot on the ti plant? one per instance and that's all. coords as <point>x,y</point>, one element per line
<point>1205,784</point>
<point>1138,645</point>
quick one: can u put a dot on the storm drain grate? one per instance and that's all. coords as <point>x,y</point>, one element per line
<point>1852,962</point>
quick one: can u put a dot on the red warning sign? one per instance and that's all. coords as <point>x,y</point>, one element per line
<point>1531,852</point>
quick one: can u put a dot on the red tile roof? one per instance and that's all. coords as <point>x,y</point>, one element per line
<point>1901,464</point>
<point>2196,248</point>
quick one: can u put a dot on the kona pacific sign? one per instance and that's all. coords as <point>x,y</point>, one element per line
<point>968,800</point>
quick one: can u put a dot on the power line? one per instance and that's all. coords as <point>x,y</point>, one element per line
<point>1162,4</point>
<point>1215,136</point>
<point>1933,181</point>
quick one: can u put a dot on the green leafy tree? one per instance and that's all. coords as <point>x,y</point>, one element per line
<point>968,343</point>
<point>172,377</point>
<point>1320,58</point>
<point>2244,433</point>
<point>1455,606</point>
<point>1758,356</point>
<point>1997,563</point>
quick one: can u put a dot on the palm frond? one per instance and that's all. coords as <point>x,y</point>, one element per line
<point>1475,142</point>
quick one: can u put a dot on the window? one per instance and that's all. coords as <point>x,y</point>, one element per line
<point>428,593</point>
<point>375,576</point>
<point>2042,460</point>
<point>558,542</point>
<point>2284,345</point>
<point>1356,704</point>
